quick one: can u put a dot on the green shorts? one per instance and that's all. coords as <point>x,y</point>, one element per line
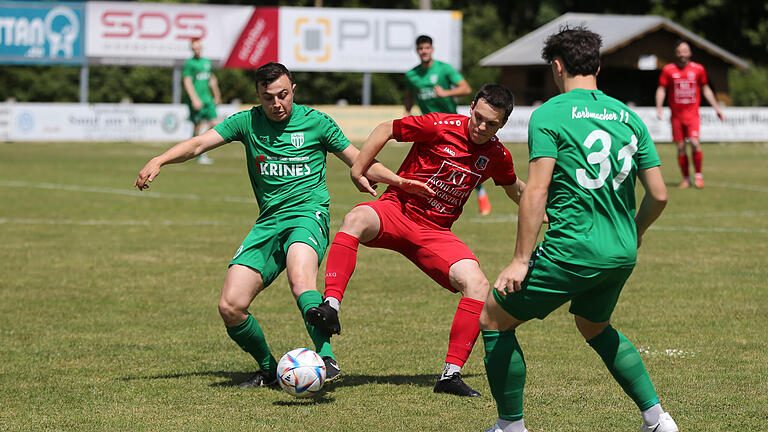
<point>207,112</point>
<point>593,292</point>
<point>266,246</point>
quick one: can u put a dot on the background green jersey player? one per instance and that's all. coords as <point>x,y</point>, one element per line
<point>202,90</point>
<point>586,149</point>
<point>436,85</point>
<point>286,146</point>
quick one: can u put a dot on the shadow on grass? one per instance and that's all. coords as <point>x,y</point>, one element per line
<point>423,380</point>
<point>231,379</point>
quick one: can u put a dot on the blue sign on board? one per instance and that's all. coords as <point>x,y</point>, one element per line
<point>42,33</point>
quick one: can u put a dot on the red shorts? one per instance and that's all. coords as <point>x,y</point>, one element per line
<point>434,251</point>
<point>683,128</point>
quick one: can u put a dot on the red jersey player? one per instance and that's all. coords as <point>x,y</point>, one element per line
<point>451,155</point>
<point>682,80</point>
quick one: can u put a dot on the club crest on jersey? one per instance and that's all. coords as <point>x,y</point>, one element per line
<point>264,139</point>
<point>297,139</point>
<point>481,163</point>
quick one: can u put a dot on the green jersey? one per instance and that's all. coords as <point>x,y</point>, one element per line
<point>286,160</point>
<point>422,82</point>
<point>200,71</point>
<point>599,145</point>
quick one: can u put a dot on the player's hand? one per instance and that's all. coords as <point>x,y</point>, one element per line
<point>721,116</point>
<point>364,185</point>
<point>197,104</point>
<point>416,187</point>
<point>511,278</point>
<point>440,92</point>
<point>659,114</point>
<point>217,100</point>
<point>147,174</point>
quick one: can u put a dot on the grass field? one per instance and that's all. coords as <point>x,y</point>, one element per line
<point>108,315</point>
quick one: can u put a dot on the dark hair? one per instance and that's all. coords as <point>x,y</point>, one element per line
<point>497,96</point>
<point>423,39</point>
<point>197,39</point>
<point>577,47</point>
<point>679,42</point>
<point>268,73</point>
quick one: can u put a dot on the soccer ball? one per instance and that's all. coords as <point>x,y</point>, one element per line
<point>301,372</point>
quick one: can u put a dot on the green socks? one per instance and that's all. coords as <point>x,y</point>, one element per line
<point>249,336</point>
<point>505,367</point>
<point>626,366</point>
<point>322,342</point>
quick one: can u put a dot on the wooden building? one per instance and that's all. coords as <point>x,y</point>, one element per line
<point>635,48</point>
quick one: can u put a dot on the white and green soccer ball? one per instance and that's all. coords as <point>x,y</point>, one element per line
<point>301,372</point>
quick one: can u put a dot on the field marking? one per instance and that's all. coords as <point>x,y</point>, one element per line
<point>126,192</point>
<point>717,214</point>
<point>93,222</point>
<point>751,188</point>
<point>708,229</point>
<point>669,352</point>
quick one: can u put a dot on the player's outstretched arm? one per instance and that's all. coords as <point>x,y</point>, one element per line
<point>213,83</point>
<point>194,99</point>
<point>529,219</point>
<point>515,191</point>
<point>661,93</point>
<point>654,201</point>
<point>462,89</point>
<point>366,164</point>
<point>706,90</point>
<point>181,152</point>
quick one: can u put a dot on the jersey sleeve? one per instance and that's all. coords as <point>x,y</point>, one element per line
<point>234,127</point>
<point>702,76</point>
<point>453,75</point>
<point>333,138</point>
<point>504,174</point>
<point>187,70</point>
<point>663,78</point>
<point>646,156</point>
<point>542,138</point>
<point>416,128</point>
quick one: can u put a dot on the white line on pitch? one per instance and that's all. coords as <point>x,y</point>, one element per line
<point>92,222</point>
<point>708,229</point>
<point>135,193</point>
<point>752,188</point>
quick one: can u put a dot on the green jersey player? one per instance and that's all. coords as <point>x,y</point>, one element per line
<point>286,145</point>
<point>586,150</point>
<point>202,90</point>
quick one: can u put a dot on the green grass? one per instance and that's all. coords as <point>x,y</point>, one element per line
<point>108,315</point>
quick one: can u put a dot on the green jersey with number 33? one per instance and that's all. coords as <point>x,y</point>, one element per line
<point>598,144</point>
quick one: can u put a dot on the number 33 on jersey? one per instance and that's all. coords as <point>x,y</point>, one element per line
<point>599,145</point>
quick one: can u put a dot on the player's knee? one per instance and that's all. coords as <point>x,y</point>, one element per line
<point>231,312</point>
<point>486,321</point>
<point>355,221</point>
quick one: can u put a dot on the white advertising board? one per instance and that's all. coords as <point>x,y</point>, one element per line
<point>159,33</point>
<point>99,122</point>
<point>740,125</point>
<point>364,40</point>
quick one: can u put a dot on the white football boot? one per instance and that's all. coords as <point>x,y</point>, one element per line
<point>666,424</point>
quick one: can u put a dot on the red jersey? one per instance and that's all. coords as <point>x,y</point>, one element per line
<point>443,157</point>
<point>683,88</point>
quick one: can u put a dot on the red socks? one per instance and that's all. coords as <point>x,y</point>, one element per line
<point>464,331</point>
<point>342,258</point>
<point>697,156</point>
<point>682,160</point>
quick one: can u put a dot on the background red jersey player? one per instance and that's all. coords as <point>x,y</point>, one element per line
<point>682,81</point>
<point>451,155</point>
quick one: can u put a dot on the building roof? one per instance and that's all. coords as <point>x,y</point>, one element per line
<point>616,30</point>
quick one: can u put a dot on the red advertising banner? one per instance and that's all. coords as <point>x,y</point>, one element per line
<point>257,43</point>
